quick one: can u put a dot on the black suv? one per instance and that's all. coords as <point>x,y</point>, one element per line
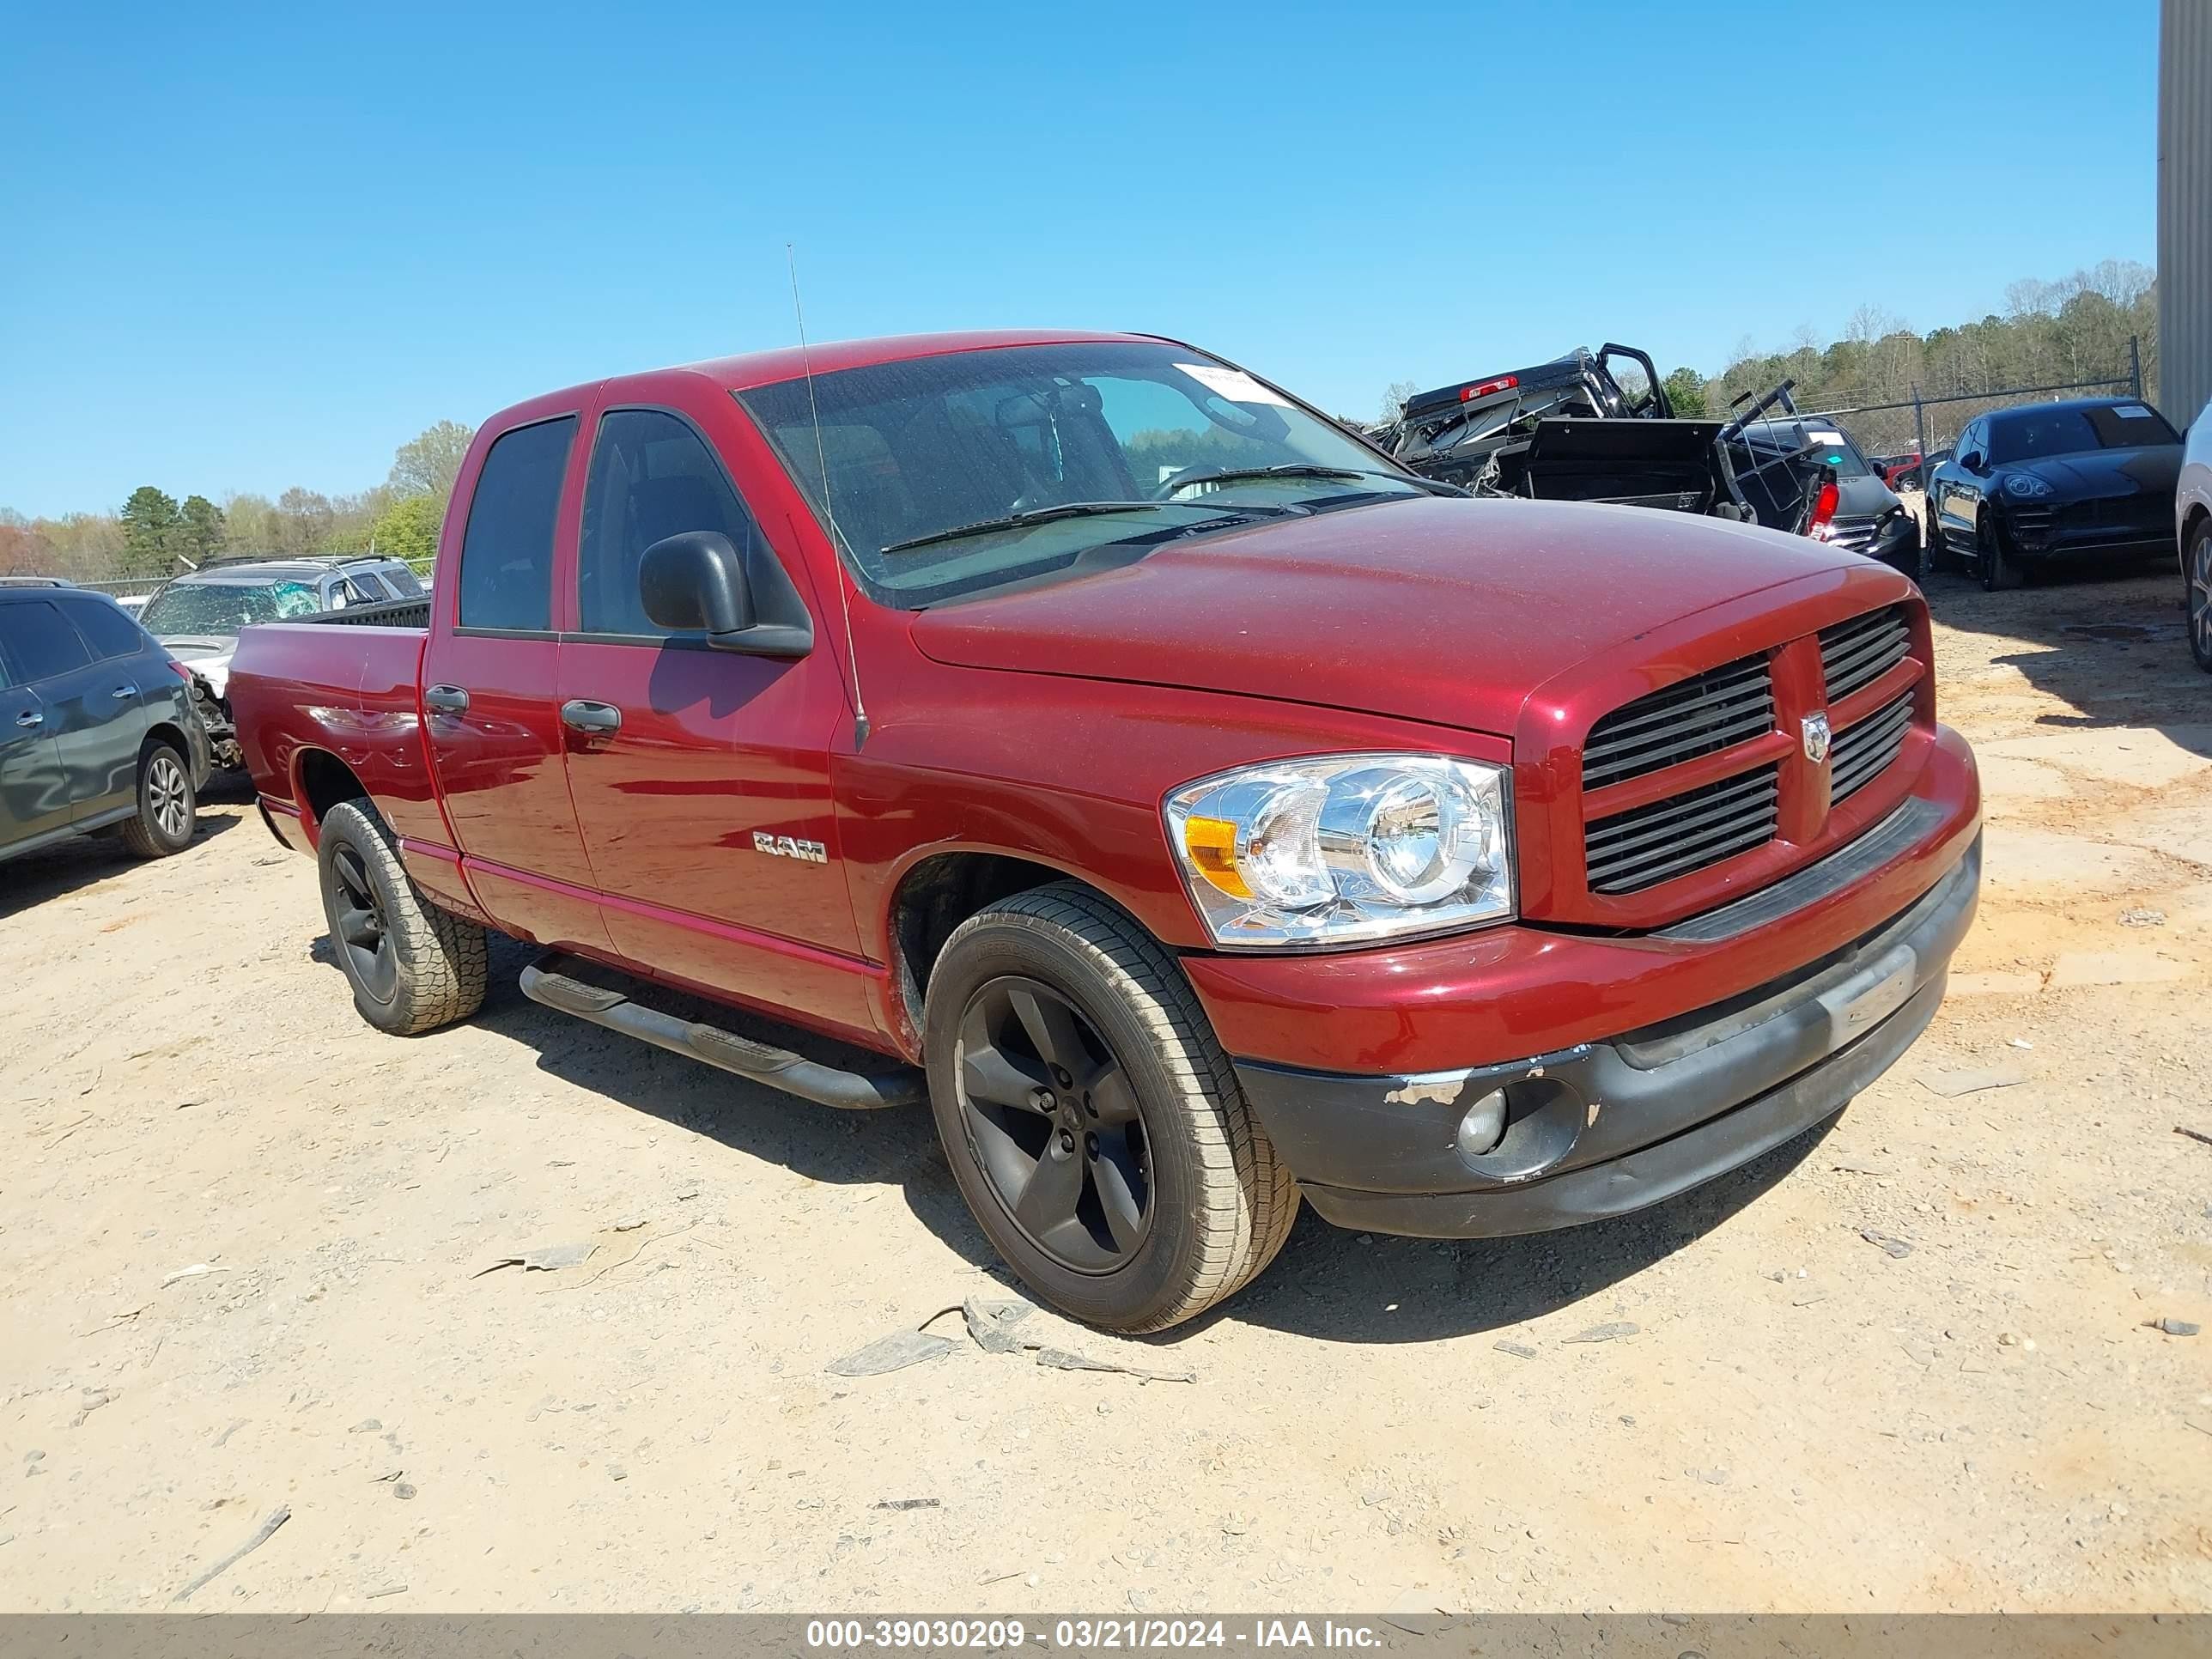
<point>97,727</point>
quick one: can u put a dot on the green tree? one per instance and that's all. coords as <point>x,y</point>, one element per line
<point>407,529</point>
<point>1685,390</point>
<point>198,534</point>
<point>428,464</point>
<point>150,522</point>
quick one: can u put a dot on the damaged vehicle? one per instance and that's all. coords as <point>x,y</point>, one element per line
<point>1598,426</point>
<point>198,616</point>
<point>1853,506</point>
<point>1195,811</point>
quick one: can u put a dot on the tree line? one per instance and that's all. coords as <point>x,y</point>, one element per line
<point>153,534</point>
<point>2051,333</point>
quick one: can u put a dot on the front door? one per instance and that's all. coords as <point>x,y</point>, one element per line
<point>700,777</point>
<point>490,709</point>
<point>34,797</point>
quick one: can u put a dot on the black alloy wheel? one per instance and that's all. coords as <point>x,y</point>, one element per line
<point>1055,1125</point>
<point>360,926</point>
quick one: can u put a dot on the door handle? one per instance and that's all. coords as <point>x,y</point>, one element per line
<point>122,691</point>
<point>29,719</point>
<point>594,722</point>
<point>446,699</point>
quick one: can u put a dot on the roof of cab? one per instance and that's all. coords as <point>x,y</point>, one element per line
<point>754,368</point>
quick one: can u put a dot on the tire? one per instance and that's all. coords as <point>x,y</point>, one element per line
<point>1997,574</point>
<point>162,826</point>
<point>1158,1127</point>
<point>2196,560</point>
<point>412,966</point>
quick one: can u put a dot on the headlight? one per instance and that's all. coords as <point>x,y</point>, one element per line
<point>2024,483</point>
<point>1343,849</point>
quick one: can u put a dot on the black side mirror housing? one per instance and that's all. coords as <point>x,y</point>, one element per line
<point>697,582</point>
<point>1971,460</point>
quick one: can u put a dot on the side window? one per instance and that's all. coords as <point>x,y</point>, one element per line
<point>372,591</point>
<point>105,628</point>
<point>402,582</point>
<point>39,641</point>
<point>651,476</point>
<point>506,551</point>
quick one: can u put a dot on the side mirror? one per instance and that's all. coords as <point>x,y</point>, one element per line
<point>1971,460</point>
<point>697,582</point>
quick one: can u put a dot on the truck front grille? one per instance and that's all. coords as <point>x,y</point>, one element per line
<point>1708,712</point>
<point>1863,750</point>
<point>1655,843</point>
<point>1861,651</point>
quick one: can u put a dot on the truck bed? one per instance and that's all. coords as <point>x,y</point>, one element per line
<point>356,691</point>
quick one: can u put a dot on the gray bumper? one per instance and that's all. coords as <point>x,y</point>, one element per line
<point>1609,1128</point>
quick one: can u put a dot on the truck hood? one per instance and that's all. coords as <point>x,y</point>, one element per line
<point>1435,610</point>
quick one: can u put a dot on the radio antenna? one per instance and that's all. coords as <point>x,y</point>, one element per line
<point>829,506</point>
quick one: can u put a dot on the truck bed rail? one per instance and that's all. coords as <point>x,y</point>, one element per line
<point>393,613</point>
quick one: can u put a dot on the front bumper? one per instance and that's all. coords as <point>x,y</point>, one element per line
<point>1605,1128</point>
<point>2086,530</point>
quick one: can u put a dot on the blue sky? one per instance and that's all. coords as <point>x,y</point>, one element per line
<point>265,248</point>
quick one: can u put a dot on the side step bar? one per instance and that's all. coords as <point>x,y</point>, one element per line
<point>826,1085</point>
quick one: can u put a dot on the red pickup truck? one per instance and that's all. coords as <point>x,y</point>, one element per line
<point>1197,808</point>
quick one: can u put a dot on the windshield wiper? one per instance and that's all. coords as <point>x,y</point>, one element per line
<point>1084,510</point>
<point>1313,469</point>
<point>1028,516</point>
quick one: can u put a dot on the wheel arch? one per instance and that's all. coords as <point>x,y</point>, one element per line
<point>936,893</point>
<point>321,780</point>
<point>2192,521</point>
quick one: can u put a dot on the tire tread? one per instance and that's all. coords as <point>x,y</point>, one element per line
<point>445,959</point>
<point>1247,1198</point>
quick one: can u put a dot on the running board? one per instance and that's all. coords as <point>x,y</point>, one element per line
<point>779,1068</point>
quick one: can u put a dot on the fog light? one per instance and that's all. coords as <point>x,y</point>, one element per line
<point>1484,1126</point>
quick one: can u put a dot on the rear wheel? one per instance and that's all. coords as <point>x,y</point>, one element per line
<point>412,966</point>
<point>1995,571</point>
<point>167,804</point>
<point>2197,561</point>
<point>1096,1128</point>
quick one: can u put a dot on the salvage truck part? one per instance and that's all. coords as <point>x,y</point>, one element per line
<point>1199,809</point>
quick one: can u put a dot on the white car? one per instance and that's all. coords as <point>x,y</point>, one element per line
<point>2192,522</point>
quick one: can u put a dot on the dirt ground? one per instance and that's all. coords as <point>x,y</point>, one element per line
<point>242,1239</point>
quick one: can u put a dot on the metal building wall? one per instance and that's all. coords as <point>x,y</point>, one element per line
<point>2184,208</point>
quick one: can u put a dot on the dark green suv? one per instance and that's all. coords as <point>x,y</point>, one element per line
<point>97,727</point>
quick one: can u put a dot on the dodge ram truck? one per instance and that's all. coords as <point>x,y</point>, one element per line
<point>1198,810</point>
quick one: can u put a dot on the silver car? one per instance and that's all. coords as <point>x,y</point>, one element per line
<point>2192,522</point>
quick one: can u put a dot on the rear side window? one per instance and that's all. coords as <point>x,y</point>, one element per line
<point>651,476</point>
<point>38,641</point>
<point>371,589</point>
<point>105,628</point>
<point>401,580</point>
<point>506,551</point>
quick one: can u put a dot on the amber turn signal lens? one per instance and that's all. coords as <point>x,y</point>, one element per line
<point>1211,845</point>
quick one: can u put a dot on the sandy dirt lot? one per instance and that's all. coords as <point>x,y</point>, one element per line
<point>242,1237</point>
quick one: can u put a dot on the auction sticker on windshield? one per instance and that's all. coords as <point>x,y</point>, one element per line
<point>1233,384</point>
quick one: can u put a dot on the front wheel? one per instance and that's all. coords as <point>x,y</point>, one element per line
<point>1996,572</point>
<point>167,804</point>
<point>1096,1128</point>
<point>412,966</point>
<point>2197,561</point>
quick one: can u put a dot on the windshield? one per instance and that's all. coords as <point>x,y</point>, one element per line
<point>225,607</point>
<point>929,458</point>
<point>2029,435</point>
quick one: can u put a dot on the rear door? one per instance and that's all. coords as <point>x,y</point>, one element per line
<point>91,707</point>
<point>119,647</point>
<point>33,793</point>
<point>490,713</point>
<point>706,805</point>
